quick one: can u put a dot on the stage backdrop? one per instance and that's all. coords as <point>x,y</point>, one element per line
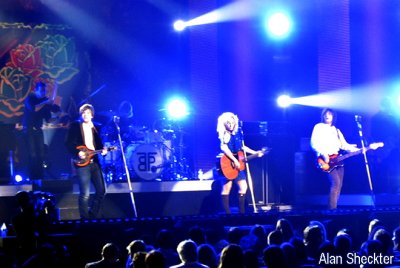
<point>30,53</point>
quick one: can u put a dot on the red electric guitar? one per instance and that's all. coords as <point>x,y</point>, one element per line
<point>228,167</point>
<point>336,160</point>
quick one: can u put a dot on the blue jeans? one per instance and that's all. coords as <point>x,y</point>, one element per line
<point>90,173</point>
<point>336,182</point>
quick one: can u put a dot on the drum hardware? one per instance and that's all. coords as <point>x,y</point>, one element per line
<point>157,155</point>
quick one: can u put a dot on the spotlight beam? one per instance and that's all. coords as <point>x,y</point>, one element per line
<point>97,32</point>
<point>365,100</point>
<point>241,9</point>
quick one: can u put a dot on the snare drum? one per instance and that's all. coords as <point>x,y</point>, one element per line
<point>147,161</point>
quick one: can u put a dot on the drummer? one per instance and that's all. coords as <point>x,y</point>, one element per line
<point>129,132</point>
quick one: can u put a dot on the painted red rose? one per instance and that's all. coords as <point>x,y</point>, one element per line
<point>27,58</point>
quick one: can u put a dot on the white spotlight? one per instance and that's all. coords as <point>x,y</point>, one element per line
<point>279,25</point>
<point>284,101</point>
<point>179,25</point>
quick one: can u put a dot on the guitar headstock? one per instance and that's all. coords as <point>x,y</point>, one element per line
<point>265,149</point>
<point>376,145</point>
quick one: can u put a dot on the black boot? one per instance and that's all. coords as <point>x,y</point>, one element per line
<point>242,199</point>
<point>225,203</point>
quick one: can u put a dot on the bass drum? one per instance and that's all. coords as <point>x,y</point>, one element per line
<point>147,161</point>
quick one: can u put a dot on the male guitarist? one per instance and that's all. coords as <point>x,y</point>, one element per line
<point>231,145</point>
<point>84,134</point>
<point>327,141</point>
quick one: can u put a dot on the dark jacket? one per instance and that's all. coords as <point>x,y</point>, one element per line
<point>74,138</point>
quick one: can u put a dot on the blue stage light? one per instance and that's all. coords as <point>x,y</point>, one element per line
<point>177,108</point>
<point>278,25</point>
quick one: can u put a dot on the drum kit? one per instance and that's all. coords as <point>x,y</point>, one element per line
<point>150,154</point>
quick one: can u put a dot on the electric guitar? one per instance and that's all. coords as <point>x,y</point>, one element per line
<point>228,167</point>
<point>336,160</point>
<point>89,154</point>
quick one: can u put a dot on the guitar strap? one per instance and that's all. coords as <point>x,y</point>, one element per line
<point>340,140</point>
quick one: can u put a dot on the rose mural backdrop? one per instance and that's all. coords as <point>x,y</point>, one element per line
<point>32,54</point>
<point>28,54</point>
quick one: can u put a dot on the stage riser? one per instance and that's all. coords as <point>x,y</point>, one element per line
<point>119,205</point>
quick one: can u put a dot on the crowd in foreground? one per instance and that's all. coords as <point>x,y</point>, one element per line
<point>280,245</point>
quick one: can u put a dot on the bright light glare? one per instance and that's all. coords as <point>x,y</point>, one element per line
<point>279,25</point>
<point>284,101</point>
<point>18,178</point>
<point>177,109</point>
<point>179,25</point>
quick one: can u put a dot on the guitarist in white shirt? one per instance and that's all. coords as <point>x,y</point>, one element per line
<point>231,144</point>
<point>327,140</point>
<point>84,133</point>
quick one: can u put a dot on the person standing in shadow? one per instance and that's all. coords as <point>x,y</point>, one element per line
<point>37,107</point>
<point>385,128</point>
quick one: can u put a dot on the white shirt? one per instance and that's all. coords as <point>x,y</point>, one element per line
<point>88,135</point>
<point>328,140</point>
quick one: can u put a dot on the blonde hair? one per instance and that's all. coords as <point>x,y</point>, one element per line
<point>222,120</point>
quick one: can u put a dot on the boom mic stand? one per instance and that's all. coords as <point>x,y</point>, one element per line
<point>249,178</point>
<point>116,122</point>
<point>364,152</point>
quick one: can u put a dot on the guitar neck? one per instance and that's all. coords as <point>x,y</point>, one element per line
<point>251,156</point>
<point>343,157</point>
<point>264,150</point>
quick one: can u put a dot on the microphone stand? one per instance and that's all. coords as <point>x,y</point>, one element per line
<point>364,152</point>
<point>249,178</point>
<point>128,177</point>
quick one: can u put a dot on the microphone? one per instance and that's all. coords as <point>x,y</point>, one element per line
<point>116,119</point>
